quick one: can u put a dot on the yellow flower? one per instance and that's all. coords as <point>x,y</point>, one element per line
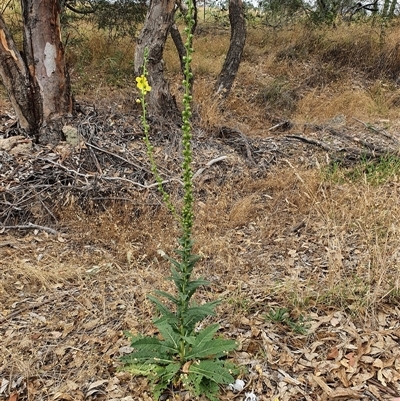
<point>142,84</point>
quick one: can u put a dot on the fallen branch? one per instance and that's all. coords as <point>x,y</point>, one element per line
<point>99,177</point>
<point>210,163</point>
<point>118,157</point>
<point>31,226</point>
<point>377,130</point>
<point>312,142</point>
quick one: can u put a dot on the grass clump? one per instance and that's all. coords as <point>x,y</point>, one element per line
<point>278,96</point>
<point>282,316</point>
<point>370,171</point>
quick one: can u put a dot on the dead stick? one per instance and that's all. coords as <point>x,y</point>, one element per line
<point>117,156</point>
<point>26,308</point>
<point>113,178</point>
<point>311,141</point>
<point>31,226</point>
<point>379,131</point>
<point>210,163</point>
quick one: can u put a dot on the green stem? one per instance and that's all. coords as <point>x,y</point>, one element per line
<point>187,211</point>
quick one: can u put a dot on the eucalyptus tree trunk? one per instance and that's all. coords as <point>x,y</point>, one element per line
<point>153,36</point>
<point>385,9</point>
<point>392,9</point>
<point>238,39</point>
<point>36,79</point>
<point>180,48</point>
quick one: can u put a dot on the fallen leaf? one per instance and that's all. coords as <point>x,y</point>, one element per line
<point>13,397</point>
<point>333,353</point>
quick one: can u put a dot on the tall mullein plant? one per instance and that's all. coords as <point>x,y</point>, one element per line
<point>182,356</point>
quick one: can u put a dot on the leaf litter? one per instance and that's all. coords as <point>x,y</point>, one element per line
<point>67,298</point>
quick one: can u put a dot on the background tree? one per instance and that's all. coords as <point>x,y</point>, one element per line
<point>238,39</point>
<point>389,7</point>
<point>36,78</point>
<point>158,23</point>
<point>281,12</point>
<point>153,36</point>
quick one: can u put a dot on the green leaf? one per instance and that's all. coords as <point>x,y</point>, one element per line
<point>205,335</point>
<point>170,336</point>
<point>141,369</point>
<point>163,381</point>
<point>147,349</point>
<point>164,311</point>
<point>196,314</point>
<point>209,388</point>
<point>168,296</point>
<point>215,347</point>
<point>193,285</point>
<point>215,370</point>
<point>177,279</point>
<point>174,262</point>
<point>200,385</point>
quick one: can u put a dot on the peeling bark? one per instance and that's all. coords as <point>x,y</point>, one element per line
<point>37,83</point>
<point>21,88</point>
<point>153,36</point>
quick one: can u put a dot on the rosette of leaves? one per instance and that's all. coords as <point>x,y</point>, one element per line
<point>181,357</point>
<point>195,362</point>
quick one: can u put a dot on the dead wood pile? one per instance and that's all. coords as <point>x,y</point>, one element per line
<point>108,162</point>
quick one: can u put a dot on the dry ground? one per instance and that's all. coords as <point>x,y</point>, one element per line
<point>292,219</point>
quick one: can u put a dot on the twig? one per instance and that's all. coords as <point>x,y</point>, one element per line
<point>385,389</point>
<point>311,141</point>
<point>379,131</point>
<point>113,178</point>
<point>210,163</point>
<point>31,226</point>
<point>118,157</point>
<point>48,210</point>
<point>96,162</point>
<point>155,184</point>
<point>26,308</point>
<point>282,124</point>
<point>375,150</point>
<point>370,395</point>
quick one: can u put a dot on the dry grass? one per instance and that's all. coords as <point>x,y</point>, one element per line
<point>309,240</point>
<point>345,255</point>
<point>301,74</point>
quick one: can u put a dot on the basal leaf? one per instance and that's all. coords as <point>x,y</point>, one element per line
<point>169,335</point>
<point>209,388</point>
<point>215,370</point>
<point>215,347</point>
<point>146,349</point>
<point>141,369</point>
<point>165,378</point>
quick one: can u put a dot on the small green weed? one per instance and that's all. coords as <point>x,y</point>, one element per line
<point>282,316</point>
<point>279,315</point>
<point>377,172</point>
<point>372,171</point>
